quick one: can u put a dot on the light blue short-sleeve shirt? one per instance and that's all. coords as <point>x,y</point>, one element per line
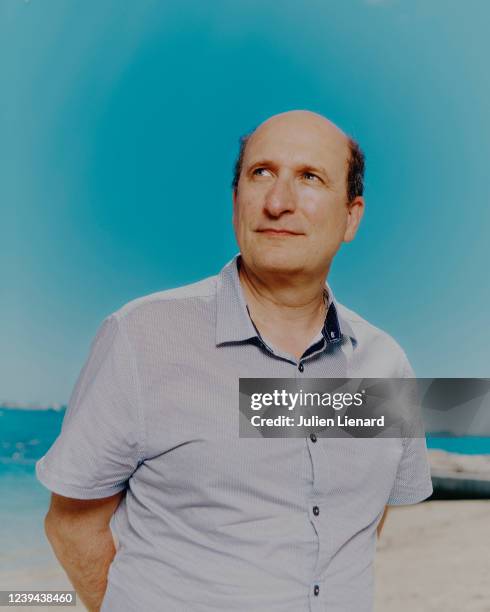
<point>211,521</point>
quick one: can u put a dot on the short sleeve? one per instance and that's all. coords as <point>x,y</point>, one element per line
<point>100,443</point>
<point>413,481</point>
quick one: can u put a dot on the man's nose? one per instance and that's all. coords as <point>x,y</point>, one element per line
<point>281,197</point>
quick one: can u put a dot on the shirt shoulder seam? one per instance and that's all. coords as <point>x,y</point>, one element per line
<point>168,295</point>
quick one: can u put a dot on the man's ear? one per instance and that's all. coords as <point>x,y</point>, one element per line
<point>233,198</point>
<point>355,212</point>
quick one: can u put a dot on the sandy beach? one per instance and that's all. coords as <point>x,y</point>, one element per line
<point>432,557</point>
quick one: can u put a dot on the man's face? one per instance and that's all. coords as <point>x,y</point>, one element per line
<point>290,211</point>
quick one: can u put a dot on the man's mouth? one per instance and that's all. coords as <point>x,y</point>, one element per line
<point>278,232</point>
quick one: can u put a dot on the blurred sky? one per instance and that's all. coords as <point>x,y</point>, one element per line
<point>119,129</point>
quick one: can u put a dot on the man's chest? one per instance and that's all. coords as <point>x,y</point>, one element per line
<point>193,452</point>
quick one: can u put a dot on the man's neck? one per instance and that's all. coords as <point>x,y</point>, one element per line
<point>290,315</point>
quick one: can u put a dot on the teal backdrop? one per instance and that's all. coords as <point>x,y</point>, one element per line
<point>119,129</point>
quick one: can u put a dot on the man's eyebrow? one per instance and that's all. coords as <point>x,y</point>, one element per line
<point>262,162</point>
<point>268,163</point>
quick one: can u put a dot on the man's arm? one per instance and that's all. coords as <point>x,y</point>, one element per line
<point>79,533</point>
<point>381,522</point>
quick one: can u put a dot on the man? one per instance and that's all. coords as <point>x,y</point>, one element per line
<point>149,450</point>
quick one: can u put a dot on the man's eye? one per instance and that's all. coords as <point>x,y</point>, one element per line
<point>258,171</point>
<point>310,176</point>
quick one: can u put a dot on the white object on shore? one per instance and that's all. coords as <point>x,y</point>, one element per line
<point>457,463</point>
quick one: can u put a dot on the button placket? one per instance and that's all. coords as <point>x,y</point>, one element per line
<point>314,512</point>
<point>315,509</point>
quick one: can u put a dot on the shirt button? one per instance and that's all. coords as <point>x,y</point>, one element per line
<point>301,367</point>
<point>316,510</point>
<point>313,437</point>
<point>316,590</point>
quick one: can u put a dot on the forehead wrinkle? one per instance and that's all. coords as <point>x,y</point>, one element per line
<point>300,139</point>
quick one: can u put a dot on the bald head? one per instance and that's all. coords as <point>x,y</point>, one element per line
<point>302,130</point>
<point>301,121</point>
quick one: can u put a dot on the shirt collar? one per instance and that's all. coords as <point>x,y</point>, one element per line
<point>233,323</point>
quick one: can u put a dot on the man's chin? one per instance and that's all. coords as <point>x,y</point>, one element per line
<point>280,262</point>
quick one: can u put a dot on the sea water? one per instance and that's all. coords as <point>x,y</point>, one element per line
<point>467,445</point>
<point>25,436</point>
